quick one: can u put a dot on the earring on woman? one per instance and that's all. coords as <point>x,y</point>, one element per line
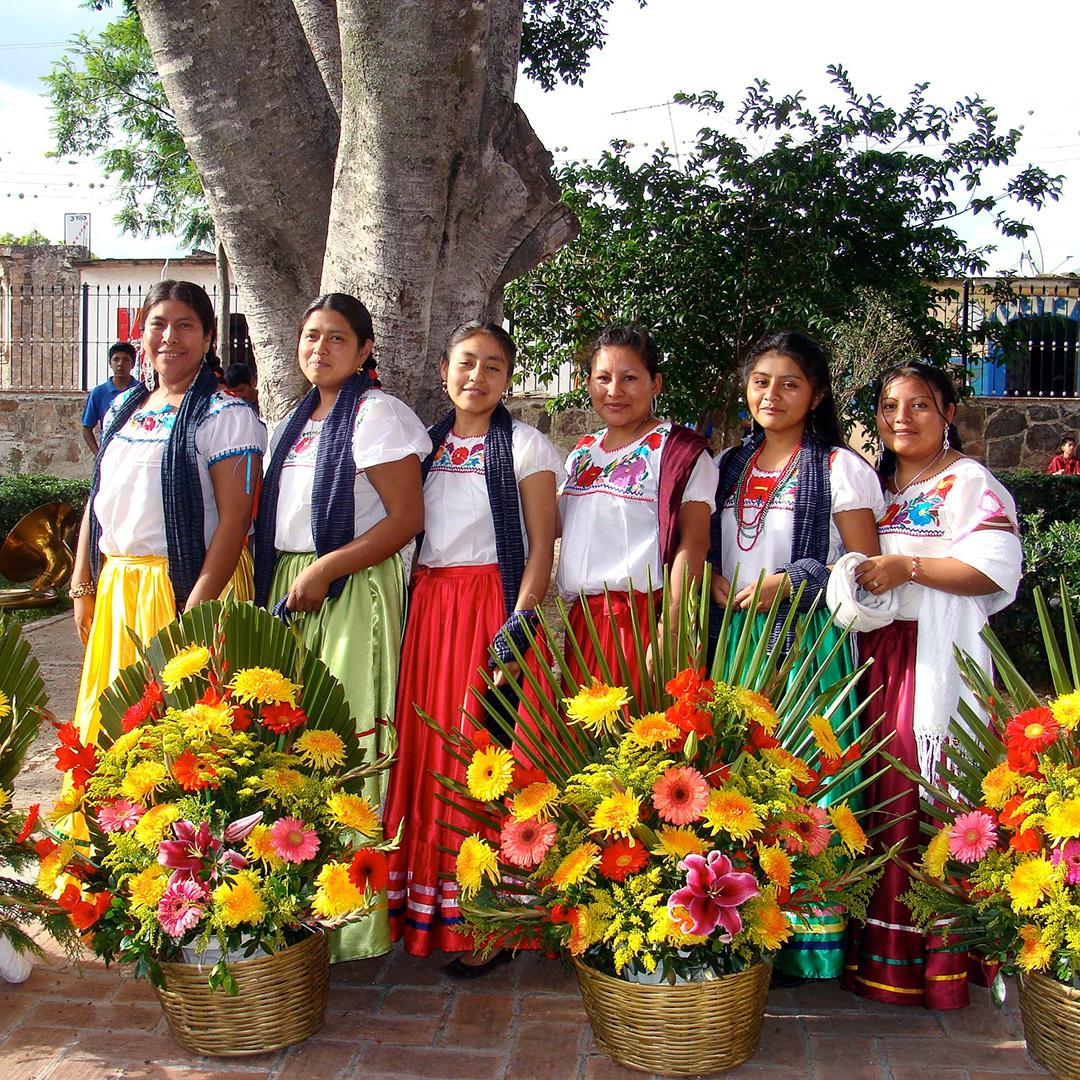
<point>149,375</point>
<point>946,446</point>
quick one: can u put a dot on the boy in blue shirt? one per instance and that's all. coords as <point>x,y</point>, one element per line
<point>121,360</point>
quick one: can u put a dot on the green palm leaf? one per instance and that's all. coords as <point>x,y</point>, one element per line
<point>22,685</point>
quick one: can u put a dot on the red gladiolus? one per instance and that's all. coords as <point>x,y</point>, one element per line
<point>692,687</point>
<point>480,739</point>
<point>242,717</point>
<point>1029,840</point>
<point>759,740</point>
<point>689,719</point>
<point>282,718</point>
<point>84,914</point>
<point>524,777</point>
<point>45,847</point>
<point>29,824</point>
<point>369,870</point>
<point>562,914</point>
<point>73,757</point>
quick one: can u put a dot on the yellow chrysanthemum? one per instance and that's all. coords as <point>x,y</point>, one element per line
<point>1065,709</point>
<point>5,705</point>
<point>1034,955</point>
<point>848,828</point>
<point>52,866</point>
<point>936,855</point>
<point>617,814</point>
<point>534,801</point>
<point>264,686</point>
<point>354,812</point>
<point>142,780</point>
<point>260,849</point>
<point>1063,822</point>
<point>321,748</point>
<point>784,759</point>
<point>766,924</point>
<point>732,812</point>
<point>183,665</point>
<point>653,729</point>
<point>150,830</point>
<point>67,804</point>
<point>597,708</point>
<point>238,901</point>
<point>4,797</point>
<point>126,742</point>
<point>678,843</point>
<point>577,866</point>
<point>825,737</point>
<point>281,781</point>
<point>673,921</point>
<point>775,865</point>
<point>757,708</point>
<point>335,894</point>
<point>476,861</point>
<point>145,888</point>
<point>203,721</point>
<point>998,785</point>
<point>489,773</point>
<point>1029,883</point>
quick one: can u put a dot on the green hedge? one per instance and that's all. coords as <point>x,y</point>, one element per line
<point>19,495</point>
<point>1058,497</point>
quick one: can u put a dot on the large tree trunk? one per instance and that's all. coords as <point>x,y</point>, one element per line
<point>388,160</point>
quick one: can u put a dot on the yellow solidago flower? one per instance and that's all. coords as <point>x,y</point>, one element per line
<point>732,812</point>
<point>653,729</point>
<point>67,804</point>
<point>1029,883</point>
<point>775,865</point>
<point>1034,955</point>
<point>321,748</point>
<point>1063,822</point>
<point>577,866</point>
<point>998,785</point>
<point>534,801</point>
<point>146,887</point>
<point>476,861</point>
<point>678,843</point>
<point>936,855</point>
<point>757,707</point>
<point>281,781</point>
<point>617,814</point>
<point>848,829</point>
<point>152,826</point>
<point>354,813</point>
<point>5,705</point>
<point>825,737</point>
<point>597,708</point>
<point>335,893</point>
<point>238,901</point>
<point>183,665</point>
<point>259,847</point>
<point>142,780</point>
<point>489,773</point>
<point>767,926</point>
<point>1065,709</point>
<point>203,721</point>
<point>264,686</point>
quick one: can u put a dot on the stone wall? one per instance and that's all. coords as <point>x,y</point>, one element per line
<point>1010,433</point>
<point>564,429</point>
<point>42,433</point>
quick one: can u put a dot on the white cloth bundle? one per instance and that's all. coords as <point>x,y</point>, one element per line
<point>855,607</point>
<point>14,966</point>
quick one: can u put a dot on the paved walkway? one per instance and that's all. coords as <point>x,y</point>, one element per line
<point>399,1017</point>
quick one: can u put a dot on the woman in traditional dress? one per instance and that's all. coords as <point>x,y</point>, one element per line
<point>789,502</point>
<point>171,496</point>
<point>637,499</point>
<point>483,568</point>
<point>950,549</point>
<point>340,499</point>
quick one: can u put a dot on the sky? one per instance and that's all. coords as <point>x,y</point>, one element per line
<point>1023,64</point>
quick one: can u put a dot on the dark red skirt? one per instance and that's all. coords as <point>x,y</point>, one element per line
<point>608,632</point>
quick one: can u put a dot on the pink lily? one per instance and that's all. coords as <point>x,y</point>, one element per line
<point>711,896</point>
<point>197,853</point>
<point>241,828</point>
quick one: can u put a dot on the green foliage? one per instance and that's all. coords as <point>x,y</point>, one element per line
<point>1057,498</point>
<point>717,248</point>
<point>23,492</point>
<point>32,239</point>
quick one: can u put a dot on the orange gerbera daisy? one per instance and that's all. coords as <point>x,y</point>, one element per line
<point>194,773</point>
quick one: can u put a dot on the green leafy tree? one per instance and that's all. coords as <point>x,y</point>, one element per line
<point>848,203</point>
<point>31,239</point>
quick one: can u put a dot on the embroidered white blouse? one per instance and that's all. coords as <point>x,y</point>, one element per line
<point>854,486</point>
<point>611,520</point>
<point>385,429</point>
<point>128,502</point>
<point>458,529</point>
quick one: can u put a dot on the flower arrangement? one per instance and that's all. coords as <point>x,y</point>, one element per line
<point>1001,869</point>
<point>225,807</point>
<point>685,842</point>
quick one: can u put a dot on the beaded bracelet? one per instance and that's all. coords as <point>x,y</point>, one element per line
<point>87,588</point>
<point>916,567</point>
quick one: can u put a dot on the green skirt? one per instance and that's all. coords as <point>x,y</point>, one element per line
<point>816,951</point>
<point>358,637</point>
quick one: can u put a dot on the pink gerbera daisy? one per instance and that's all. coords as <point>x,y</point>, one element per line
<point>292,840</point>
<point>119,815</point>
<point>680,795</point>
<point>181,907</point>
<point>525,843</point>
<point>1069,854</point>
<point>807,831</point>
<point>972,836</point>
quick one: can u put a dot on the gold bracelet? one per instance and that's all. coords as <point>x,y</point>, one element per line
<point>87,588</point>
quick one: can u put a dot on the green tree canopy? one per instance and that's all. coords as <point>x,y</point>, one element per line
<point>848,201</point>
<point>32,239</point>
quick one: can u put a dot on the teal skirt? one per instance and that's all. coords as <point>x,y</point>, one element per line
<point>358,637</point>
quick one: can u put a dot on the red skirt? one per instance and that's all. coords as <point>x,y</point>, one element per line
<point>890,959</point>
<point>454,613</point>
<point>609,631</point>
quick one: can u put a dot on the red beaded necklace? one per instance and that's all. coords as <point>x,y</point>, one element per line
<point>764,488</point>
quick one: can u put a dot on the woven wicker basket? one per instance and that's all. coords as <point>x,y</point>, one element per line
<point>1051,1015</point>
<point>282,1001</point>
<point>699,1027</point>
